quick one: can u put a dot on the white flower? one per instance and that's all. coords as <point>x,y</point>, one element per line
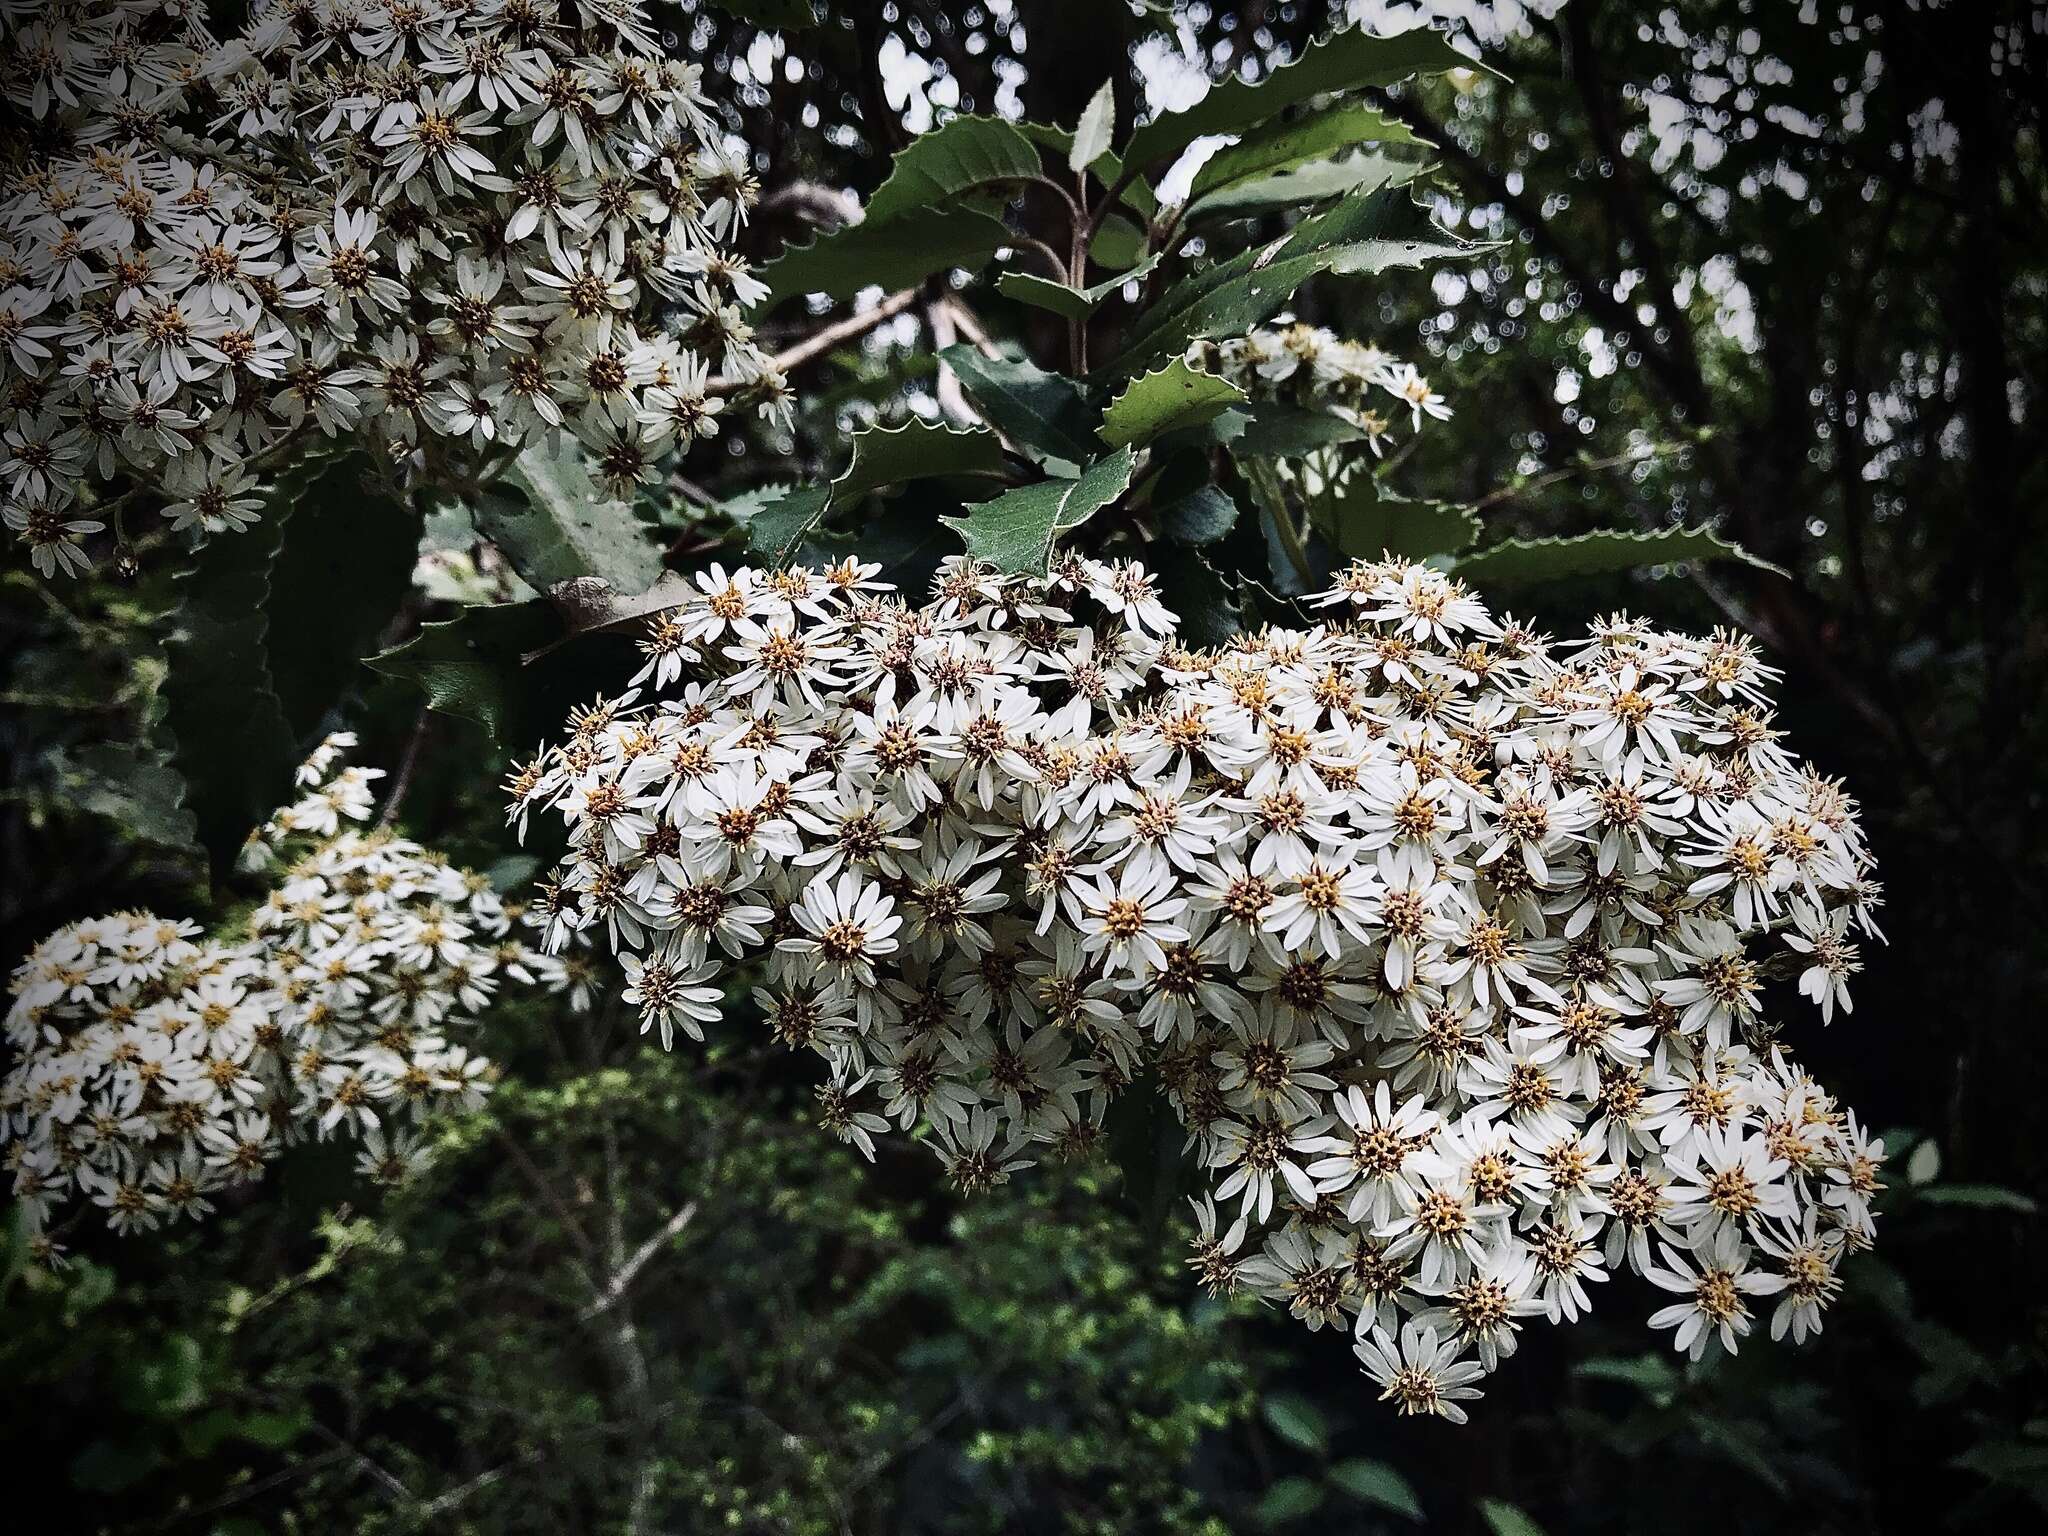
<point>1419,1375</point>
<point>1452,1031</point>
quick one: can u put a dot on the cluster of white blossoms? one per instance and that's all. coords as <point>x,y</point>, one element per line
<point>156,1064</point>
<point>1310,365</point>
<point>1448,946</point>
<point>447,227</point>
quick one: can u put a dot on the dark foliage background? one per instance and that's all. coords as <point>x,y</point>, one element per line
<point>1848,202</point>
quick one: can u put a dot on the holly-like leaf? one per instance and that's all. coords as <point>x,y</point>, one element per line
<point>471,665</point>
<point>343,573</point>
<point>780,527</point>
<point>1202,516</point>
<point>1274,429</point>
<point>1522,561</point>
<point>135,787</point>
<point>1282,146</point>
<point>1067,302</point>
<point>968,157</point>
<point>234,747</point>
<point>917,450</point>
<point>1015,532</point>
<point>1234,295</point>
<point>940,207</point>
<point>1045,414</point>
<point>1369,521</point>
<point>882,456</point>
<point>1208,604</point>
<point>553,523</point>
<point>1301,186</point>
<point>1092,133</point>
<point>1165,400</point>
<point>1344,61</point>
<point>895,254</point>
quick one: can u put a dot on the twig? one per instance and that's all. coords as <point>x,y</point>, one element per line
<point>970,326</point>
<point>824,340</point>
<point>812,200</point>
<point>952,399</point>
<point>1552,477</point>
<point>384,1479</point>
<point>440,1504</point>
<point>402,780</point>
<point>627,1272</point>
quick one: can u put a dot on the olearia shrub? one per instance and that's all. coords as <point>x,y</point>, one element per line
<point>443,230</point>
<point>1204,777</point>
<point>158,1063</point>
<point>1446,943</point>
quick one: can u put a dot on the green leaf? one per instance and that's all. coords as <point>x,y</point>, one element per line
<point>1043,413</point>
<point>1092,133</point>
<point>780,527</point>
<point>1202,516</point>
<point>1650,1374</point>
<point>553,524</point>
<point>882,456</point>
<point>1506,1520</point>
<point>1107,167</point>
<point>342,575</point>
<point>1371,522</point>
<point>1297,1421</point>
<point>1210,605</point>
<point>1985,1197</point>
<point>1015,532</point>
<point>1277,430</point>
<point>894,254</point>
<point>938,208</point>
<point>1345,61</point>
<point>966,156</point>
<point>135,787</point>
<point>1377,1484</point>
<point>470,665</point>
<point>1067,302</point>
<point>1280,146</point>
<point>1600,553</point>
<point>234,747</point>
<point>1118,246</point>
<point>1301,186</point>
<point>1234,295</point>
<point>1292,1498</point>
<point>1165,400</point>
<point>917,450</point>
<point>1043,293</point>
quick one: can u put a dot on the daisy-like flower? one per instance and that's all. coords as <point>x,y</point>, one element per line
<point>1418,921</point>
<point>454,239</point>
<point>848,924</point>
<point>1717,1282</point>
<point>1418,1374</point>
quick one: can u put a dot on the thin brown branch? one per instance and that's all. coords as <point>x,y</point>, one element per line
<point>824,340</point>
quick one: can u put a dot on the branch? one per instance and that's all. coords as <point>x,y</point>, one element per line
<point>823,341</point>
<point>627,1272</point>
<point>812,200</point>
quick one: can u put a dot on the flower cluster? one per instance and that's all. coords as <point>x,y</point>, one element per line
<point>157,1064</point>
<point>1448,946</point>
<point>1311,366</point>
<point>448,227</point>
